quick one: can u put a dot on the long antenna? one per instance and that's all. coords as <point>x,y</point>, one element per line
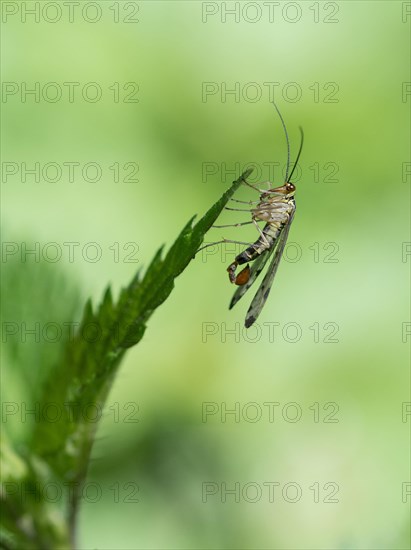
<point>288,141</point>
<point>298,155</point>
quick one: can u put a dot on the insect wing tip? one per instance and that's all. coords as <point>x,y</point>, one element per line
<point>249,321</point>
<point>233,302</point>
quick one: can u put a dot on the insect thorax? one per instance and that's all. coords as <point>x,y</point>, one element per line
<point>276,210</point>
<point>275,213</point>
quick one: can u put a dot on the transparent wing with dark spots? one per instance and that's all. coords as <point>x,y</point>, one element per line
<point>262,293</point>
<point>256,267</point>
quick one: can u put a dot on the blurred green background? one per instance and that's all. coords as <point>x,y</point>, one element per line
<point>338,69</point>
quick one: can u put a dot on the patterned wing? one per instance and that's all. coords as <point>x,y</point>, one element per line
<point>256,267</point>
<point>262,293</point>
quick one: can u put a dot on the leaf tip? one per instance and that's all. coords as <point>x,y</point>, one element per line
<point>246,173</point>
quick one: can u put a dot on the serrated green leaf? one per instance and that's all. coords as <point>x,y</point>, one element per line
<point>86,373</point>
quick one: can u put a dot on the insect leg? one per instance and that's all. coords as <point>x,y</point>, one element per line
<point>245,202</point>
<point>223,241</point>
<point>254,187</point>
<point>264,238</point>
<point>230,225</point>
<point>236,209</point>
<point>237,242</point>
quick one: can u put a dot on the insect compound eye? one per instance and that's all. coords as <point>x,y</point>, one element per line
<point>290,187</point>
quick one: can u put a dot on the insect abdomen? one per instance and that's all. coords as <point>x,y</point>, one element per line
<point>270,233</point>
<point>261,244</point>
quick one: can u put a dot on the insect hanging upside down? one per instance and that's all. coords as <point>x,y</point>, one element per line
<point>276,208</point>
